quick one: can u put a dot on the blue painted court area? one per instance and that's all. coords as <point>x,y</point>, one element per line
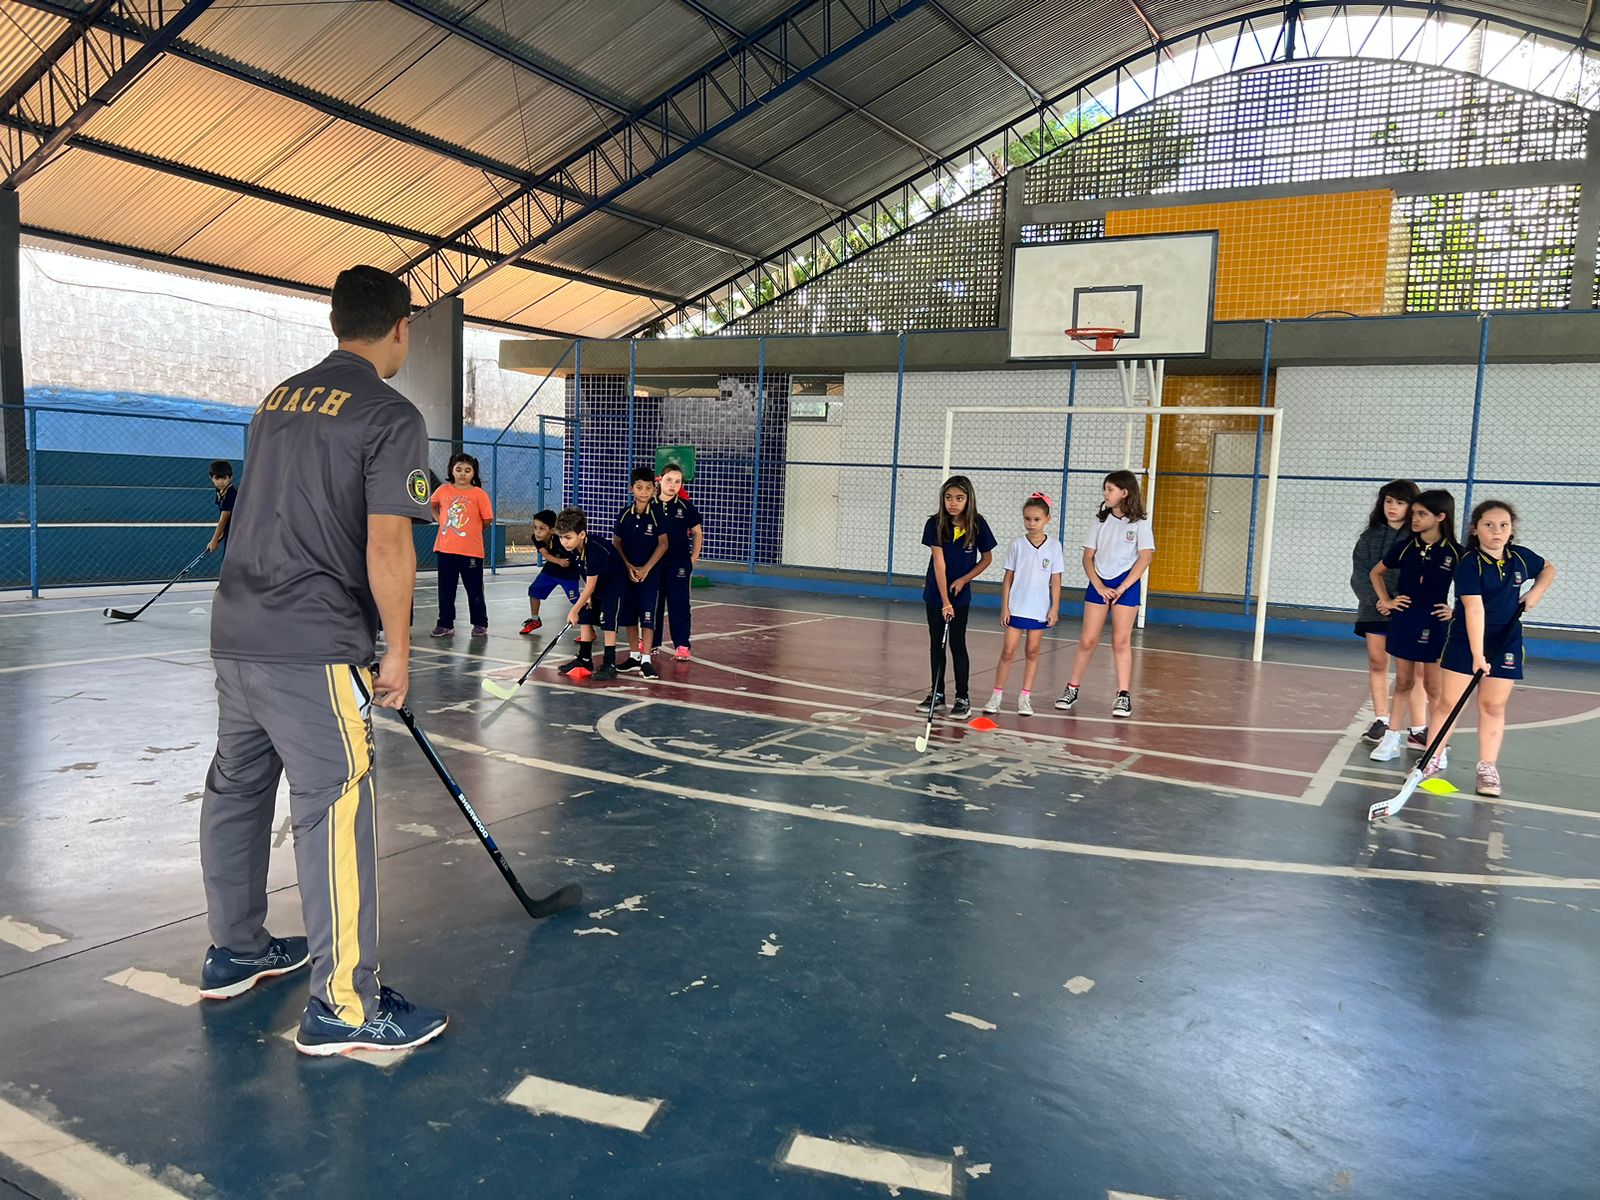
<point>1067,959</point>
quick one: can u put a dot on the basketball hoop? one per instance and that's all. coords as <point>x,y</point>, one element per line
<point>1097,338</point>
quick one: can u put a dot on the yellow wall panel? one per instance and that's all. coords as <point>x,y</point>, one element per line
<point>1288,257</point>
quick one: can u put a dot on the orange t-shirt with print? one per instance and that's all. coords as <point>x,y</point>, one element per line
<point>463,512</point>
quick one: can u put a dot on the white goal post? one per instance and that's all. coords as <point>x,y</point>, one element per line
<point>1154,412</point>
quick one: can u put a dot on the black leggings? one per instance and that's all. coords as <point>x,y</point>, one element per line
<point>957,647</point>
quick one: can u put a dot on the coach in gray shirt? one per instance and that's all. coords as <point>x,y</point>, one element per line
<point>321,549</point>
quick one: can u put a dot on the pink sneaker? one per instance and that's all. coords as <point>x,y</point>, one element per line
<point>1434,765</point>
<point>681,654</point>
<point>1488,779</point>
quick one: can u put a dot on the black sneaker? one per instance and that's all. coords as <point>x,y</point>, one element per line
<point>961,710</point>
<point>931,703</point>
<point>1123,706</point>
<point>1068,697</point>
<point>628,664</point>
<point>1375,732</point>
<point>606,671</point>
<point>648,670</point>
<point>396,1025</point>
<point>226,974</point>
<point>567,668</point>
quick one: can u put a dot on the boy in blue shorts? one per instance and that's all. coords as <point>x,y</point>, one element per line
<point>685,537</point>
<point>559,570</point>
<point>604,581</point>
<point>640,538</point>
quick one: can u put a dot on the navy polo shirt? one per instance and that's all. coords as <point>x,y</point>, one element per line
<point>1422,572</point>
<point>1499,581</point>
<point>679,515</point>
<point>638,532</point>
<point>960,557</point>
<point>599,558</point>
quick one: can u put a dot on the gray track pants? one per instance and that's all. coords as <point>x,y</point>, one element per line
<point>313,722</point>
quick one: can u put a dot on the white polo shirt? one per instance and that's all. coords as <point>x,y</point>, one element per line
<point>1116,543</point>
<point>1031,567</point>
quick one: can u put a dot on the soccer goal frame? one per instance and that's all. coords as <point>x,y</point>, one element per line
<point>1152,463</point>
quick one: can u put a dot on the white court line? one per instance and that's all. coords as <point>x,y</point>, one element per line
<point>87,662</point>
<point>1325,776</point>
<point>550,1097</point>
<point>1113,1195</point>
<point>871,1164</point>
<point>70,1163</point>
<point>27,937</point>
<point>983,837</point>
<point>157,986</point>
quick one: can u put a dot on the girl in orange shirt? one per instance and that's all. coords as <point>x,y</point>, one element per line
<point>462,509</point>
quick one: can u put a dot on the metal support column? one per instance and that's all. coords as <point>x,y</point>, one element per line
<point>894,457</point>
<point>755,471</point>
<point>1477,412</point>
<point>1255,474</point>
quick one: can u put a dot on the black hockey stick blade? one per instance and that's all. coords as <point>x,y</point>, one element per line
<point>122,614</point>
<point>563,898</point>
<point>933,691</point>
<point>500,691</point>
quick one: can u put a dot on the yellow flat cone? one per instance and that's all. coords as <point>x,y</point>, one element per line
<point>1438,786</point>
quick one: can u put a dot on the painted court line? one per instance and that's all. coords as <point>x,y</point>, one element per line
<point>871,1164</point>
<point>1013,841</point>
<point>157,985</point>
<point>552,1098</point>
<point>27,937</point>
<point>87,662</point>
<point>71,1163</point>
<point>1130,1196</point>
<point>1325,776</point>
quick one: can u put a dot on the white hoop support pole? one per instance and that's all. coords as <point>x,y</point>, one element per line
<point>1268,517</point>
<point>1157,370</point>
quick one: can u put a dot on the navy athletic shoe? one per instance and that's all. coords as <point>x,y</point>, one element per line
<point>226,974</point>
<point>396,1025</point>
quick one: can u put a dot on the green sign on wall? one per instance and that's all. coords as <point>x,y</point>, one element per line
<point>682,455</point>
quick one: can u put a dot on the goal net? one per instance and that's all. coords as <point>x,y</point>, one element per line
<point>1209,476</point>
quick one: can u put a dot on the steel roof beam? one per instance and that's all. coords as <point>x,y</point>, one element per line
<point>516,59</point>
<point>709,102</point>
<point>199,56</point>
<point>832,93</point>
<point>255,191</point>
<point>84,76</point>
<point>977,40</point>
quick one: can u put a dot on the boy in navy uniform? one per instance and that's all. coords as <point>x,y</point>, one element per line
<point>222,480</point>
<point>640,537</point>
<point>559,573</point>
<point>685,537</point>
<point>604,581</point>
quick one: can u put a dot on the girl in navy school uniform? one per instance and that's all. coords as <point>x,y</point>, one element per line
<point>1387,526</point>
<point>1419,615</point>
<point>1030,599</point>
<point>1116,555</point>
<point>960,549</point>
<point>1485,634</point>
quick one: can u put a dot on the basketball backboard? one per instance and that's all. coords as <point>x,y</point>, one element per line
<point>1159,289</point>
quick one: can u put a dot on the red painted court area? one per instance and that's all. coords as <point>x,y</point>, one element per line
<point>1278,730</point>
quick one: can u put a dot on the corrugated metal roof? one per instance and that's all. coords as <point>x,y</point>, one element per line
<point>923,76</point>
<point>23,34</point>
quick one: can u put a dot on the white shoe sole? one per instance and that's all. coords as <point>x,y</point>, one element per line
<point>330,1049</point>
<point>1377,757</point>
<point>231,990</point>
<point>1120,715</point>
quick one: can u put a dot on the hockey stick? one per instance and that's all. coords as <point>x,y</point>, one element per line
<point>559,900</point>
<point>495,688</point>
<point>1389,807</point>
<point>122,614</point>
<point>933,693</point>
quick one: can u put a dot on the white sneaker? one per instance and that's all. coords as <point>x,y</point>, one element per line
<point>995,702</point>
<point>1388,749</point>
<point>1024,706</point>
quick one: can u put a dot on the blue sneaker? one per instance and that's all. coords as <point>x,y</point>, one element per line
<point>397,1025</point>
<point>226,974</point>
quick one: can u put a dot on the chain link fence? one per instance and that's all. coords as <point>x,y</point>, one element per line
<point>836,469</point>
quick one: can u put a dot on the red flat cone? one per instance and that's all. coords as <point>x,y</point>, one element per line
<point>982,724</point>
<point>579,673</point>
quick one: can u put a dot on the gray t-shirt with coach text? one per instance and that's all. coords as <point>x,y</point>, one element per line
<point>328,448</point>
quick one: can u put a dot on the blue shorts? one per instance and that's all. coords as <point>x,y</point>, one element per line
<point>1502,647</point>
<point>1027,623</point>
<point>1128,599</point>
<point>546,583</point>
<point>1418,638</point>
